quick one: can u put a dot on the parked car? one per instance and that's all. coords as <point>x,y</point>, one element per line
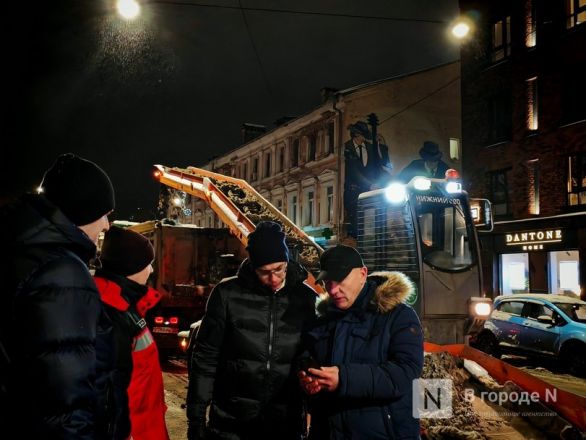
<point>186,341</point>
<point>538,325</point>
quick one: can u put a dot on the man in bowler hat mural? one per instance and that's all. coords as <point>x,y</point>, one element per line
<point>430,164</point>
<point>366,168</point>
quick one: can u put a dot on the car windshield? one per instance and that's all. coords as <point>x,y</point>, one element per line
<point>444,232</point>
<point>576,312</point>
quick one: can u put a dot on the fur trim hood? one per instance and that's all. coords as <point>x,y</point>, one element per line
<point>392,289</point>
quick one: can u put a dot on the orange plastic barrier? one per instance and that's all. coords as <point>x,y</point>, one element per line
<point>568,405</point>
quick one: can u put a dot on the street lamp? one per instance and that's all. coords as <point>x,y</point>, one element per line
<point>128,9</point>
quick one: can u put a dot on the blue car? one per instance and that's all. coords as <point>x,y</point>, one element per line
<point>539,325</point>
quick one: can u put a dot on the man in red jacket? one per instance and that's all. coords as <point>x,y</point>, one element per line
<point>140,402</point>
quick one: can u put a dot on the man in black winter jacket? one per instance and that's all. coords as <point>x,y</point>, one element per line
<point>51,312</point>
<point>369,346</point>
<point>249,338</point>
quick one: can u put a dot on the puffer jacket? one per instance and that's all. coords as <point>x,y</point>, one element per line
<point>139,391</point>
<point>377,345</point>
<point>242,361</point>
<point>51,317</point>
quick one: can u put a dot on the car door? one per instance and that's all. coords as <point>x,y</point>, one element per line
<point>505,322</point>
<point>538,337</point>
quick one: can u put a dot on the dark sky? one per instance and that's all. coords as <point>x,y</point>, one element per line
<point>175,86</point>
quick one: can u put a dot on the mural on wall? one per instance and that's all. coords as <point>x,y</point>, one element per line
<point>430,164</point>
<point>367,166</point>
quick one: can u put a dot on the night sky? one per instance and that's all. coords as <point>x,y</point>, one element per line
<point>174,86</point>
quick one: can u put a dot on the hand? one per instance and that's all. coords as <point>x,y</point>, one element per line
<point>324,378</point>
<point>327,377</point>
<point>308,383</point>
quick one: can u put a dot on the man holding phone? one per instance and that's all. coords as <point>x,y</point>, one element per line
<point>369,344</point>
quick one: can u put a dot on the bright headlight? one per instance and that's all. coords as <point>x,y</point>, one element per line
<point>396,193</point>
<point>453,187</point>
<point>421,183</point>
<point>482,309</point>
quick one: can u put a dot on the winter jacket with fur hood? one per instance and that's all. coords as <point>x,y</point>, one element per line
<point>377,344</point>
<point>243,355</point>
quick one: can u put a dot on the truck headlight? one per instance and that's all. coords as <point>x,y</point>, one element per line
<point>396,193</point>
<point>480,307</point>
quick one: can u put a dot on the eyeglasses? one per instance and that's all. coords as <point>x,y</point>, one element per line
<point>278,272</point>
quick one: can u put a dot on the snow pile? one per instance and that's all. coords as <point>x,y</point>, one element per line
<point>465,423</point>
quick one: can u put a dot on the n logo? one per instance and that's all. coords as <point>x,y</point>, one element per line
<point>432,398</point>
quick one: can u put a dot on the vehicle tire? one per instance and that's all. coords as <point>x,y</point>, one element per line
<point>574,357</point>
<point>488,343</point>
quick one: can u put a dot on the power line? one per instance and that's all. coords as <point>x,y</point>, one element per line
<point>257,55</point>
<point>413,104</point>
<point>297,12</point>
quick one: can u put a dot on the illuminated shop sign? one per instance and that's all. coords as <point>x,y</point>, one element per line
<point>534,240</point>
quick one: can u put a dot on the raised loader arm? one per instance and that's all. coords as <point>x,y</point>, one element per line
<point>241,207</point>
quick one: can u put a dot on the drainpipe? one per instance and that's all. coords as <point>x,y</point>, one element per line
<point>340,155</point>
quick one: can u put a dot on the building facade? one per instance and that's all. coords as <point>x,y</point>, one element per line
<point>299,165</point>
<point>524,138</point>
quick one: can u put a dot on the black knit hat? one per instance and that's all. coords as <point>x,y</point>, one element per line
<point>79,188</point>
<point>266,244</point>
<point>125,252</point>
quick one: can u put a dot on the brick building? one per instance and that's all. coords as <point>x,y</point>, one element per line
<point>524,140</point>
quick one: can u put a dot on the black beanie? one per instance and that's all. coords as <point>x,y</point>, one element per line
<point>125,252</point>
<point>266,244</point>
<point>79,188</point>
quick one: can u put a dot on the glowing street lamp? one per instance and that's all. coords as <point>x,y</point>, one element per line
<point>460,30</point>
<point>128,9</point>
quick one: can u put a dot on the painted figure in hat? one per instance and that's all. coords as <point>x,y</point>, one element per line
<point>366,168</point>
<point>366,349</point>
<point>248,340</point>
<point>51,310</point>
<point>430,164</point>
<point>136,390</point>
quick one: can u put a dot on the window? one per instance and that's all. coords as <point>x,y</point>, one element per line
<point>576,183</point>
<point>281,164</point>
<point>329,203</point>
<point>499,193</point>
<point>310,208</point>
<point>244,174</point>
<point>575,13</point>
<point>295,153</point>
<point>533,186</point>
<point>532,104</point>
<point>564,272</point>
<point>331,138</point>
<point>279,204</point>
<point>454,149</point>
<point>501,39</point>
<point>530,24</point>
<point>573,93</point>
<point>515,273</point>
<point>500,116</point>
<point>292,208</point>
<point>512,307</point>
<point>311,147</point>
<point>267,164</point>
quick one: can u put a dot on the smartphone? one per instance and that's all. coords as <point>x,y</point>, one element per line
<point>307,363</point>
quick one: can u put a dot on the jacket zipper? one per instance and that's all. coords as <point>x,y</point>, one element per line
<point>271,331</point>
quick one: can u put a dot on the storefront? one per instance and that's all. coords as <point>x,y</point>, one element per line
<point>544,255</point>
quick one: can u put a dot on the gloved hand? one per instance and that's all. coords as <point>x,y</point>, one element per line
<point>196,431</point>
